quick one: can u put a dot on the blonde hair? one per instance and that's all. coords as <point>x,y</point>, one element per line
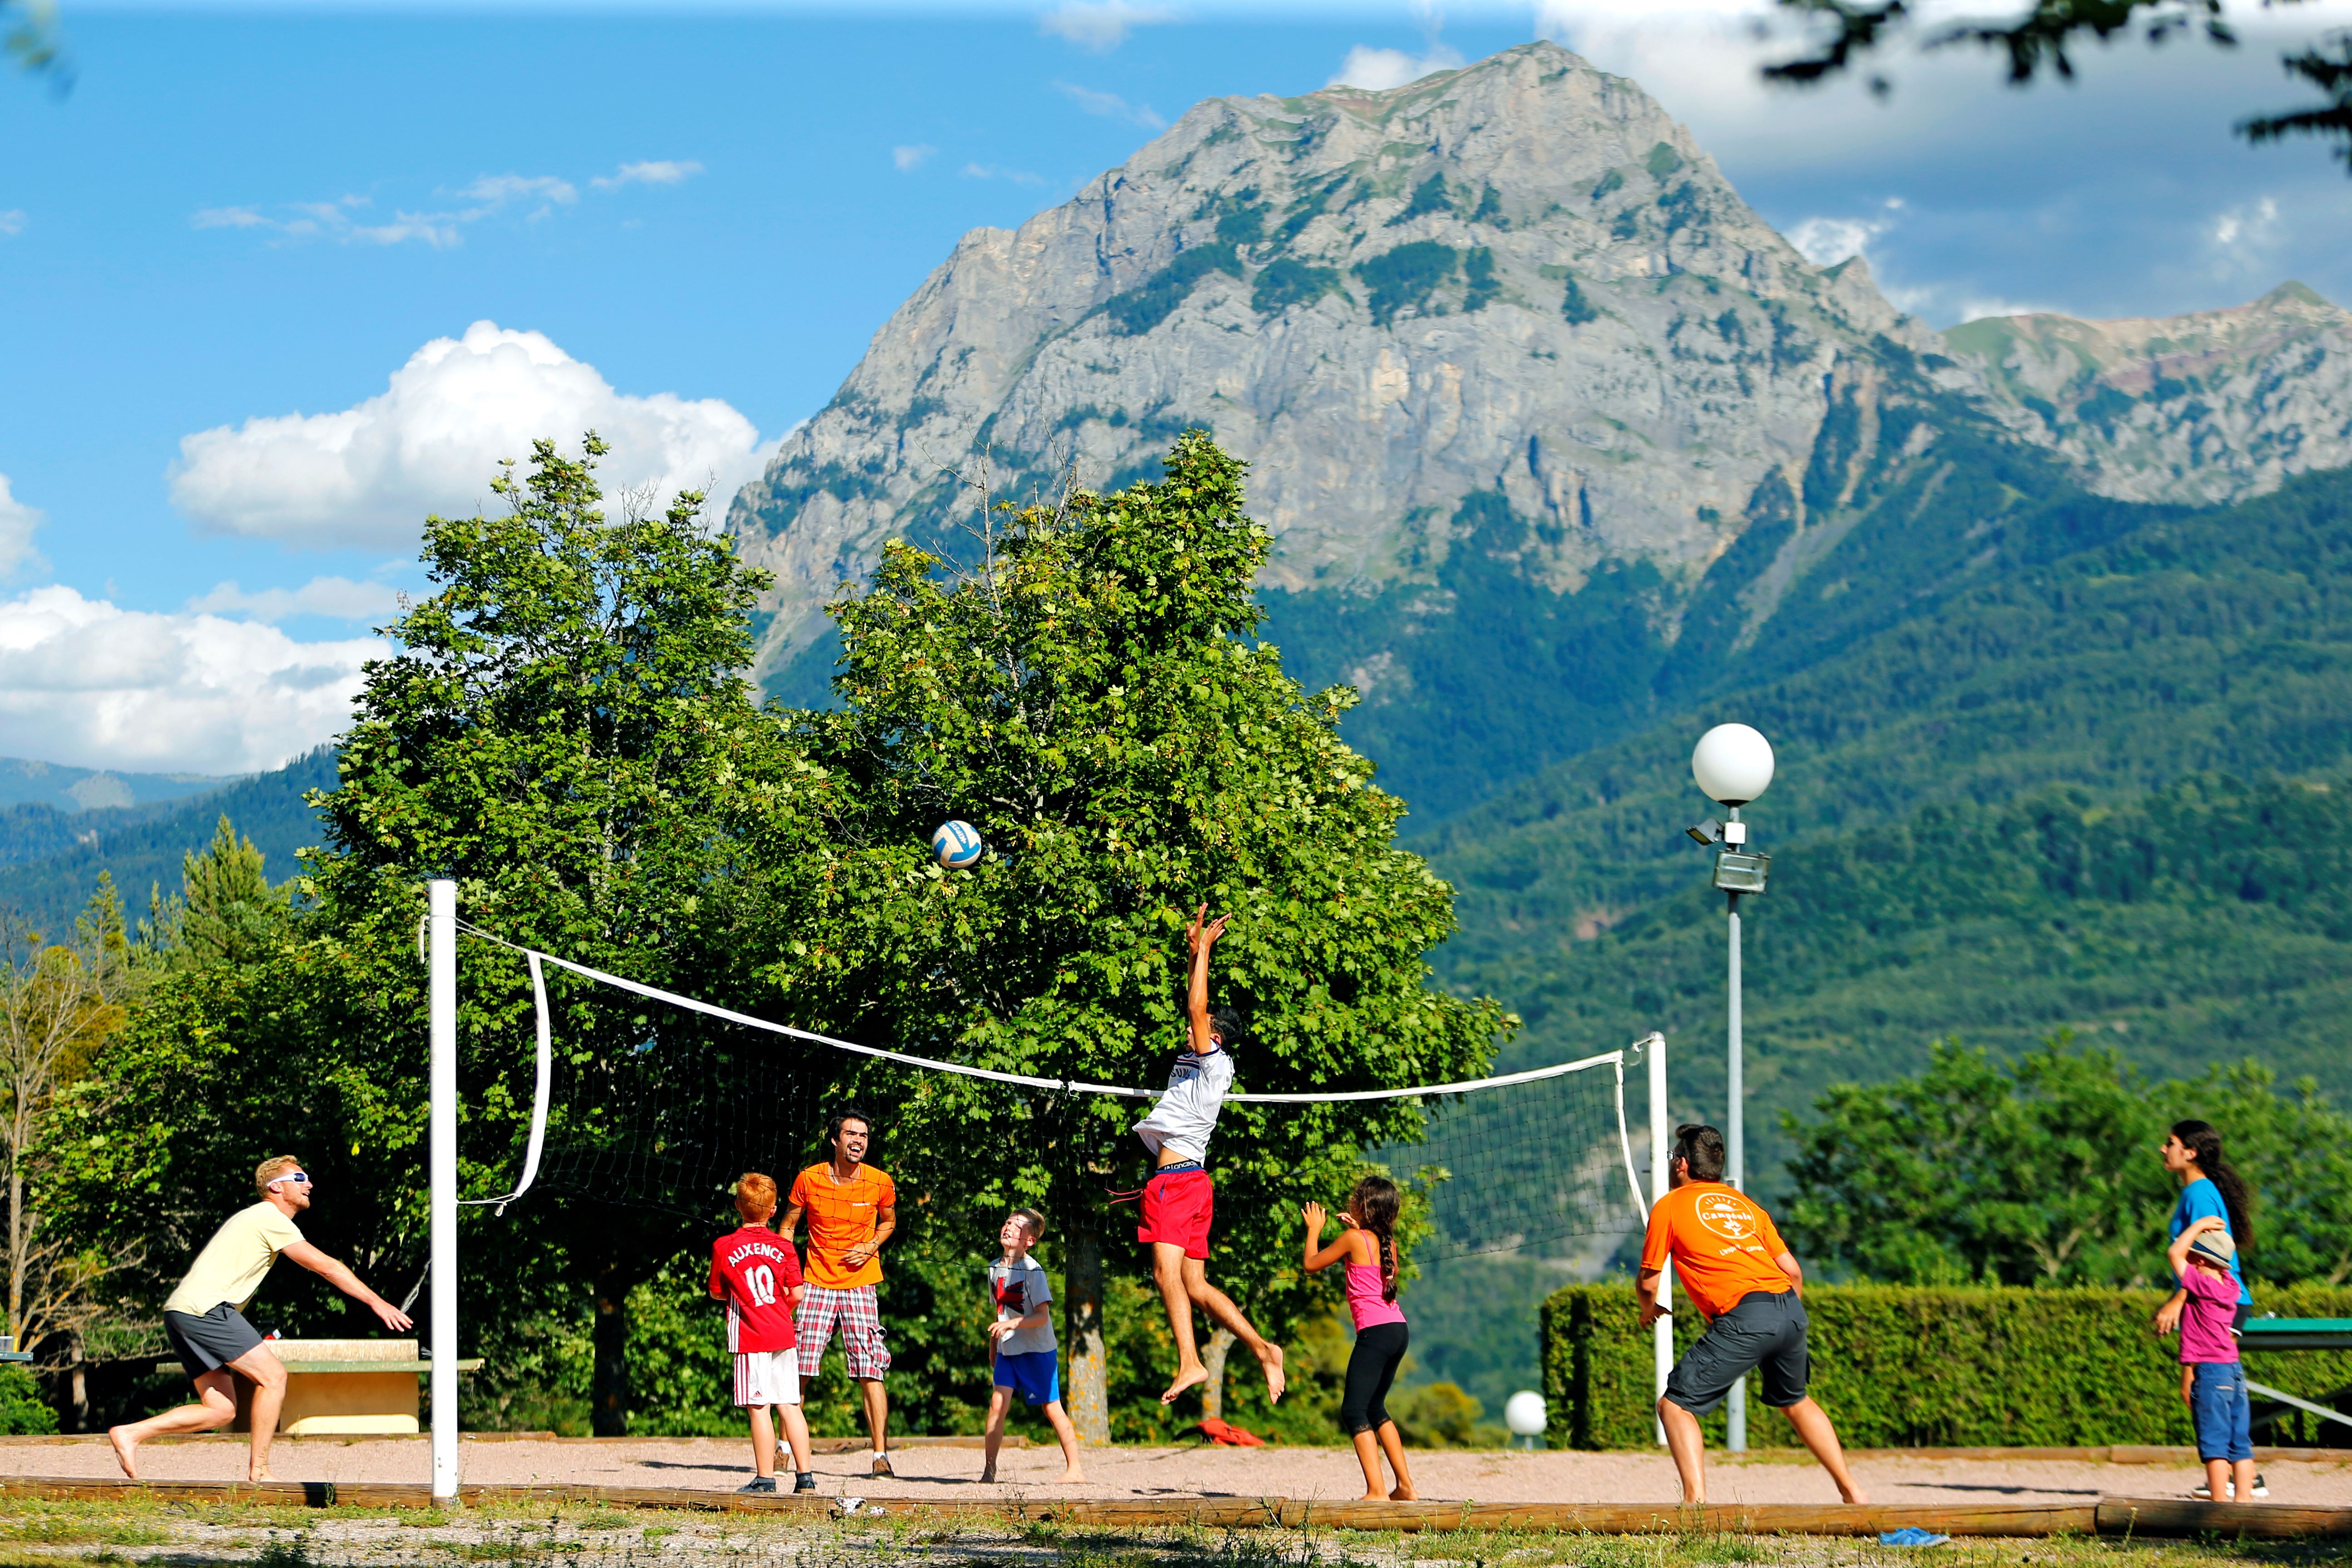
<point>755,1196</point>
<point>270,1170</point>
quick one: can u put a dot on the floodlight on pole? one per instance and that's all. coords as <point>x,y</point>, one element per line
<point>1732,764</point>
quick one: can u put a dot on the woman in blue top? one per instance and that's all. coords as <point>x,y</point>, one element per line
<point>2207,1187</point>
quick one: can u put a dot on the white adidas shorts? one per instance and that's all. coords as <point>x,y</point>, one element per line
<point>768,1377</point>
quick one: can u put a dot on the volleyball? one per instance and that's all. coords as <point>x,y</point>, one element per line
<point>956,846</point>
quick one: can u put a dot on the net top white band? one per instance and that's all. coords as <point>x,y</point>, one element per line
<point>1061,1086</point>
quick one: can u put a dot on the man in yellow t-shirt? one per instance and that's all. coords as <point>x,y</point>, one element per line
<point>204,1318</point>
<point>1748,1287</point>
<point>852,1209</point>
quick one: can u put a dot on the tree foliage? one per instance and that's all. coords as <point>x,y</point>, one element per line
<point>2042,1171</point>
<point>2045,34</point>
<point>1090,699</point>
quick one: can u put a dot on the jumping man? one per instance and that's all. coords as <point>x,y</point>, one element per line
<point>1178,1201</point>
<point>204,1318</point>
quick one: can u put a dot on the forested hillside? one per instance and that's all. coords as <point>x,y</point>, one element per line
<point>49,860</point>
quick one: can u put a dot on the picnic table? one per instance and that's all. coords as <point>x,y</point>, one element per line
<point>353,1388</point>
<point>2296,1334</point>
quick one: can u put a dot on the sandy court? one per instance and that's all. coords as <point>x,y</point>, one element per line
<point>951,1473</point>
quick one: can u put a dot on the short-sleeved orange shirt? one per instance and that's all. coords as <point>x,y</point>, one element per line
<point>840,1215</point>
<point>1722,1242</point>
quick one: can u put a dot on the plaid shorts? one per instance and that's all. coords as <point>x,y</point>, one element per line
<point>861,1331</point>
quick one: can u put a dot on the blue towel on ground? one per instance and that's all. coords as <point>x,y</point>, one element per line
<point>1912,1535</point>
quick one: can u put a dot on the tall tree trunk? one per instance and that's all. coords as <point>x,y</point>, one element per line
<point>1213,1356</point>
<point>608,1390</point>
<point>1082,1318</point>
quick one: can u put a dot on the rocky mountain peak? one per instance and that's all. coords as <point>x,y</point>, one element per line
<point>1521,279</point>
<point>2202,408</point>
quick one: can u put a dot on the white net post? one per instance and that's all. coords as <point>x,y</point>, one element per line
<point>1663,1334</point>
<point>442,1177</point>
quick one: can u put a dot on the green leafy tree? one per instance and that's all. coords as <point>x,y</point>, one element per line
<point>2044,1171</point>
<point>1089,697</point>
<point>227,911</point>
<point>566,732</point>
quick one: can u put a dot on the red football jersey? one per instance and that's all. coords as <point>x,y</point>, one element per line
<point>756,1271</point>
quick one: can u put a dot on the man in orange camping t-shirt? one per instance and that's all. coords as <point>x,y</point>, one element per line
<point>852,1209</point>
<point>1748,1287</point>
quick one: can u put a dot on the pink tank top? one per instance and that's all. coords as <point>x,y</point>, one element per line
<point>1364,1297</point>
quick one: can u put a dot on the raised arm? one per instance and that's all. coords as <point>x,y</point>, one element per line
<point>2177,1253</point>
<point>1201,935</point>
<point>1315,1261</point>
<point>343,1279</point>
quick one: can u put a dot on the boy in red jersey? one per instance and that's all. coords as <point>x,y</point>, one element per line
<point>757,1274</point>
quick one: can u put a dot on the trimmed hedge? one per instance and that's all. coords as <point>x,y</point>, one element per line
<point>1904,1366</point>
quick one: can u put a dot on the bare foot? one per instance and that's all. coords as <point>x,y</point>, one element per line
<point>1073,1476</point>
<point>1857,1495</point>
<point>987,1476</point>
<point>1372,1496</point>
<point>1405,1494</point>
<point>1272,1363</point>
<point>1190,1376</point>
<point>126,1452</point>
<point>261,1476</point>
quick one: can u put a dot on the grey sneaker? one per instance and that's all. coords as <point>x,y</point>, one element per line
<point>2262,1487</point>
<point>759,1484</point>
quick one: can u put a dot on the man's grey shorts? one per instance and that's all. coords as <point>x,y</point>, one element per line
<point>1762,1330</point>
<point>210,1341</point>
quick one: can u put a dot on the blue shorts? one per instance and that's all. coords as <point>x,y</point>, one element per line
<point>2217,1396</point>
<point>1037,1376</point>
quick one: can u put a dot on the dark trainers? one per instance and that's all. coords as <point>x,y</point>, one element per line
<point>882,1465</point>
<point>806,1482</point>
<point>759,1484</point>
<point>2262,1487</point>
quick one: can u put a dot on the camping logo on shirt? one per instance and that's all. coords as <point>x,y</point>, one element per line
<point>1728,1215</point>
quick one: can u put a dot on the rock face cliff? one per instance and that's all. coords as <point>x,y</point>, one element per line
<point>2205,407</point>
<point>1549,427</point>
<point>1521,279</point>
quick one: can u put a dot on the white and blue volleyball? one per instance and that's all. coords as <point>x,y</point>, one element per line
<point>957,845</point>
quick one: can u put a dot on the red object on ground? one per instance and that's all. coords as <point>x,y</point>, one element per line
<point>1225,1434</point>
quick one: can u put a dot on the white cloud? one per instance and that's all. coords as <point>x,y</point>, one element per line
<point>12,221</point>
<point>492,192</point>
<point>650,172</point>
<point>18,523</point>
<point>337,598</point>
<point>2243,238</point>
<point>990,171</point>
<point>84,681</point>
<point>485,196</point>
<point>909,159</point>
<point>1377,70</point>
<point>433,439</point>
<point>1100,24</point>
<point>1826,241</point>
<point>1113,106</point>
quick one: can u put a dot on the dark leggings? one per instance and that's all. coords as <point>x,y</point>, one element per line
<point>1372,1367</point>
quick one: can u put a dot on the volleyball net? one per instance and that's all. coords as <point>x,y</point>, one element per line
<point>1519,1161</point>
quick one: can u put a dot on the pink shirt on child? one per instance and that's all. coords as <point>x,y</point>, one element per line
<point>2206,1318</point>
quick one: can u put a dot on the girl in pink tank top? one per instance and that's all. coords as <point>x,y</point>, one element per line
<point>1368,1247</point>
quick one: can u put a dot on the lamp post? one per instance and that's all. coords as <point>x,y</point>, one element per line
<point>1733,765</point>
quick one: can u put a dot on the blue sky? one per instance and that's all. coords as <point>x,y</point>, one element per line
<point>226,250</point>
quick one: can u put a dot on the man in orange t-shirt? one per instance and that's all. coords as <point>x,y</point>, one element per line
<point>852,1209</point>
<point>1748,1287</point>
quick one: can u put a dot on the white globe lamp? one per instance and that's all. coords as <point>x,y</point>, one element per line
<point>1733,764</point>
<point>1523,1413</point>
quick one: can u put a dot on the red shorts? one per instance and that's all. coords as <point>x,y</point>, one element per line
<point>1177,1208</point>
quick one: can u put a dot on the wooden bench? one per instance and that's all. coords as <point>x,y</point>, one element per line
<point>350,1386</point>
